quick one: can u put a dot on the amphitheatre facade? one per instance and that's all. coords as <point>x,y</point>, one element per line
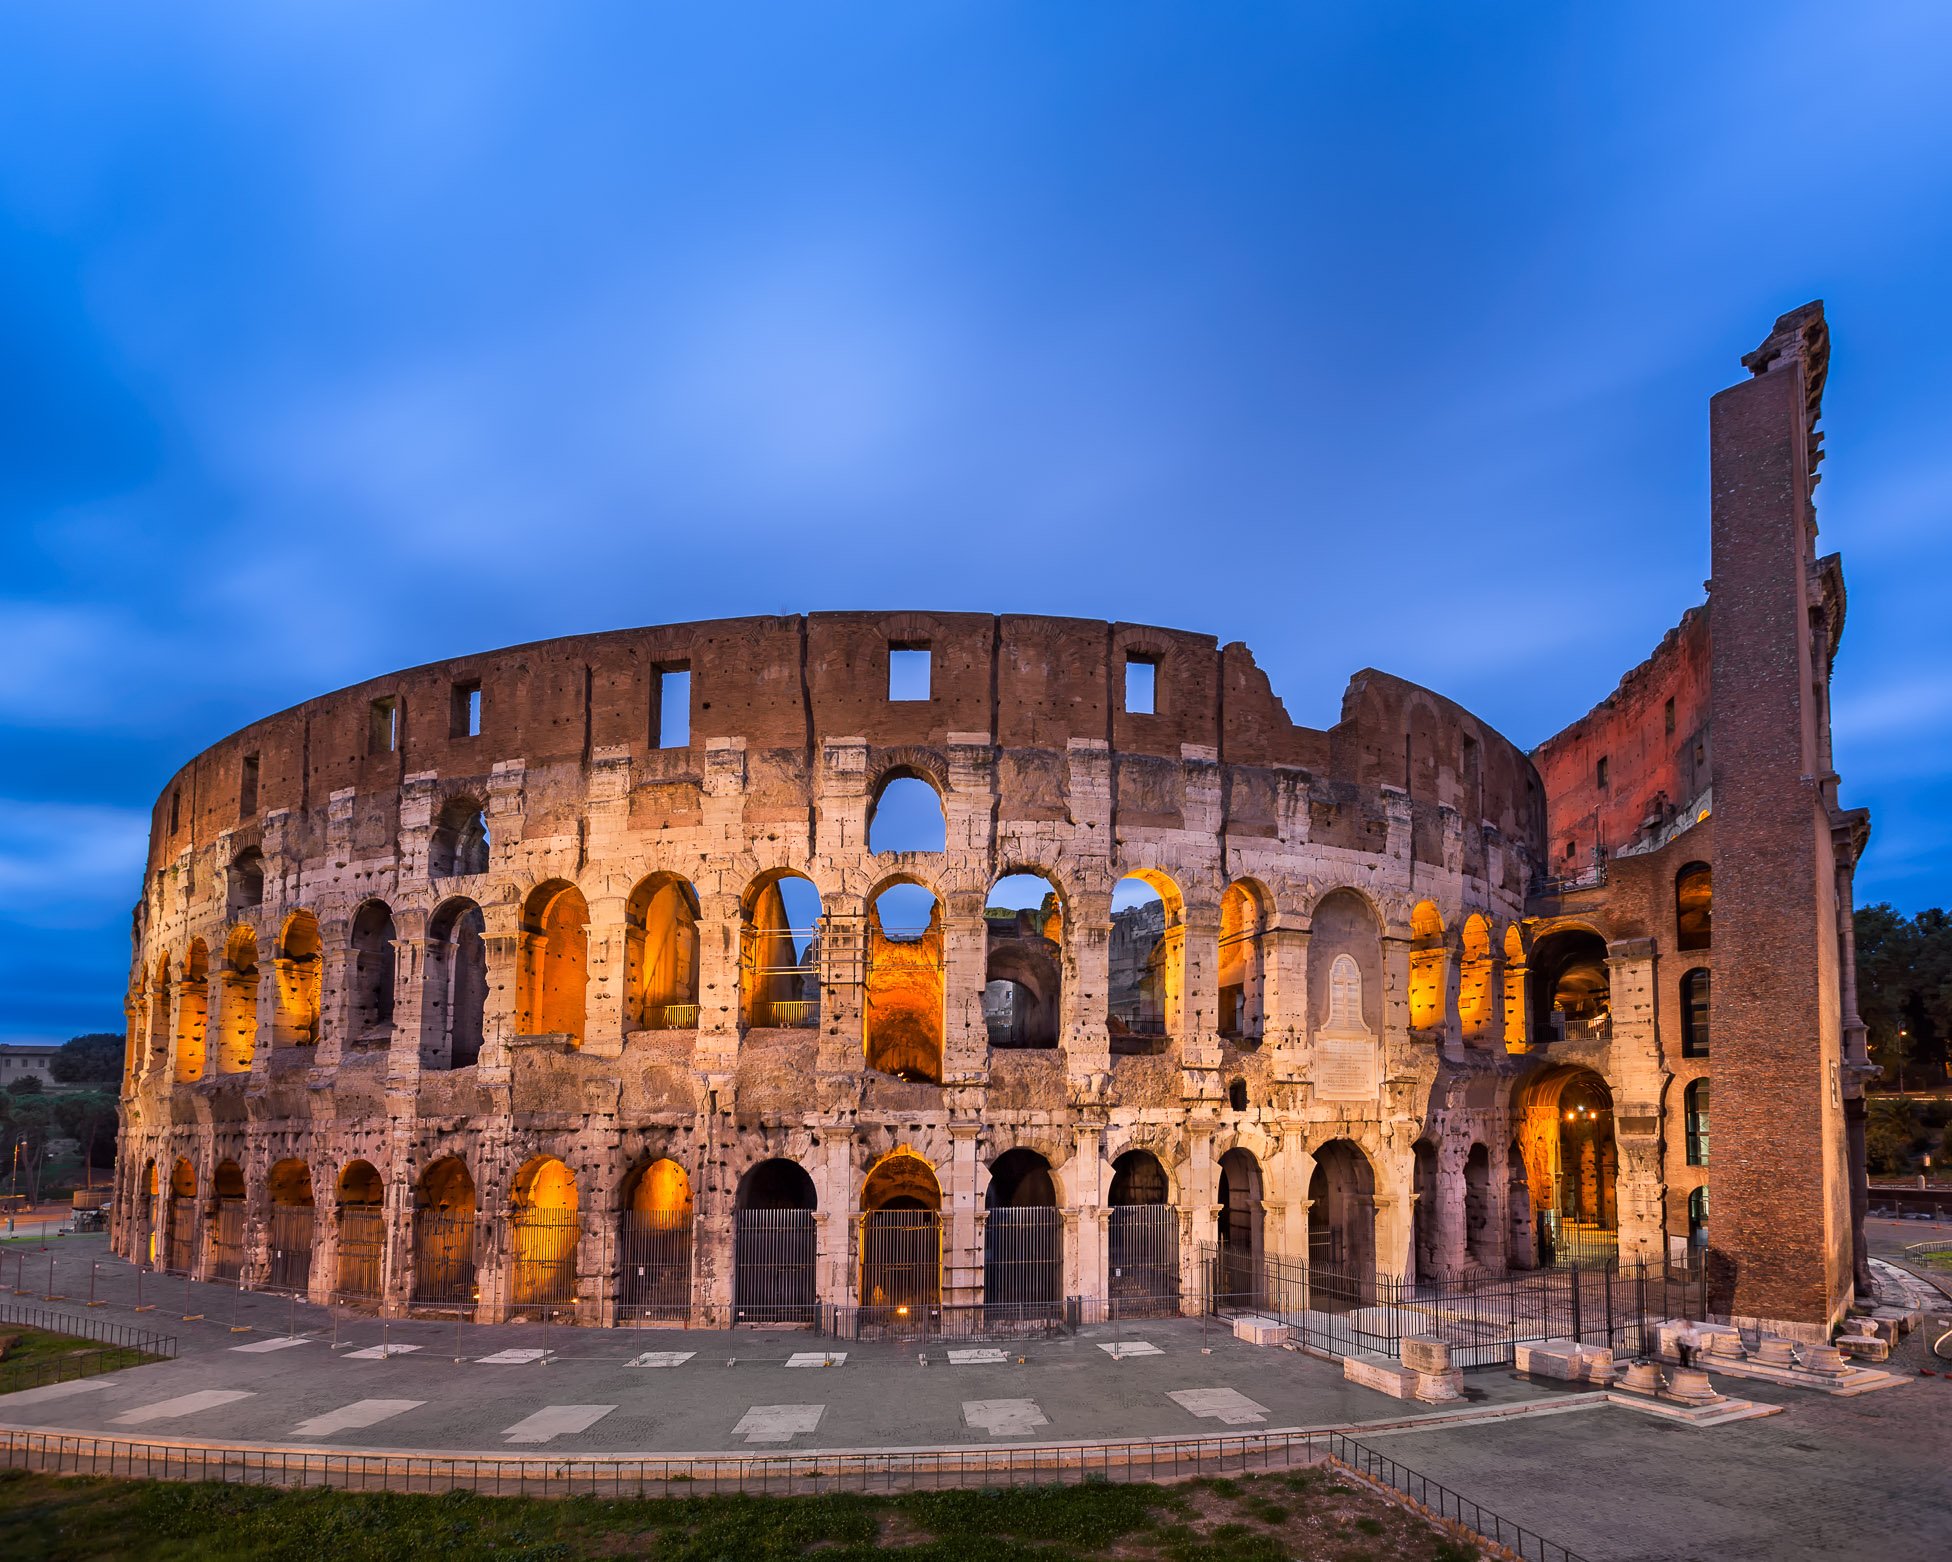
<point>949,966</point>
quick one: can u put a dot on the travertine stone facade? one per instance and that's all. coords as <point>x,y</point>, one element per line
<point>516,915</point>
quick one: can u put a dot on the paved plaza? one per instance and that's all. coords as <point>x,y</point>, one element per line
<point>1827,1477</point>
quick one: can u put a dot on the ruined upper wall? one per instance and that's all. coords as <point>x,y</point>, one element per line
<point>1029,686</point>
<point>1652,732</point>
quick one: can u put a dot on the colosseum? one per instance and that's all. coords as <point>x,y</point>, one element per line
<point>949,966</point>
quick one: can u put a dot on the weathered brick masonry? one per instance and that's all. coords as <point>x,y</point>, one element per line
<point>487,969</point>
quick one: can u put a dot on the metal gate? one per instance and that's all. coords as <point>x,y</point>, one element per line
<point>227,1241</point>
<point>901,1265</point>
<point>654,1265</point>
<point>1144,1254</point>
<point>542,1258</point>
<point>291,1248</point>
<point>443,1259</point>
<point>773,1254</point>
<point>181,1254</point>
<point>362,1250</point>
<point>1023,1264</point>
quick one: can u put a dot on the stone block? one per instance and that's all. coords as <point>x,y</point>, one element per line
<point>1436,1388</point>
<point>1381,1374</point>
<point>1566,1360</point>
<point>1425,1353</point>
<point>1257,1329</point>
<point>1865,1347</point>
<point>1643,1377</point>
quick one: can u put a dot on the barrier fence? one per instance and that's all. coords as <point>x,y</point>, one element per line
<point>696,1475</point>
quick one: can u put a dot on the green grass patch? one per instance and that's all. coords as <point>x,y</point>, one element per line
<point>30,1356</point>
<point>43,1518</point>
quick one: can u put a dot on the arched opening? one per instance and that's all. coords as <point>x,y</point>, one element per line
<point>237,1045</point>
<point>1023,1240</point>
<point>299,965</point>
<point>159,1015</point>
<point>901,1242</point>
<point>454,990</point>
<point>371,973</point>
<point>1427,1225</point>
<point>1565,1118</point>
<point>543,1235</point>
<point>1345,985</point>
<point>661,955</point>
<point>1429,960</point>
<point>1694,1014</point>
<point>1695,1106</point>
<point>1147,963</point>
<point>1476,1003</point>
<point>1480,1228</point>
<point>773,1246</point>
<point>1241,1246</point>
<point>779,954</point>
<point>903,1012</point>
<point>555,961</point>
<point>1341,1228</point>
<point>193,1014</point>
<point>226,1239</point>
<point>1143,1238</point>
<point>1698,1216</point>
<point>1573,1000</point>
<point>458,847</point>
<point>1521,1241</point>
<point>244,882</point>
<point>654,1243</point>
<point>444,1236</point>
<point>1515,976</point>
<point>1243,925</point>
<point>290,1236</point>
<point>1694,922</point>
<point>180,1248</point>
<point>361,1216</point>
<point>1023,973</point>
<point>907,816</point>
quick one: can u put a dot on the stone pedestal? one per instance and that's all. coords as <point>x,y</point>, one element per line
<point>1643,1377</point>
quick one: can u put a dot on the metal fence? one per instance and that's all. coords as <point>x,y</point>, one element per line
<point>290,1250</point>
<point>443,1258</point>
<point>362,1251</point>
<point>180,1252</point>
<point>1023,1264</point>
<point>1483,1320</point>
<point>1143,1249</point>
<point>782,1474</point>
<point>654,1266</point>
<point>542,1257</point>
<point>901,1264</point>
<point>773,1253</point>
<point>81,1326</point>
<point>227,1240</point>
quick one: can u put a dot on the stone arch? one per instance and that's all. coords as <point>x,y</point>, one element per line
<point>244,882</point>
<point>1694,907</point>
<point>1429,961</point>
<point>903,1007</point>
<point>224,1242</point>
<point>1428,1222</point>
<point>661,954</point>
<point>360,1216</point>
<point>1023,971</point>
<point>779,952</point>
<point>193,1013</point>
<point>1023,1239</point>
<point>444,1221</point>
<point>1341,1228</point>
<point>180,1247</point>
<point>237,1045</point>
<point>544,1231</point>
<point>1142,1233</point>
<point>1242,1235</point>
<point>1481,1235</point>
<point>1345,922</point>
<point>300,966</point>
<point>454,986</point>
<point>1566,1136</point>
<point>906,813</point>
<point>1476,998</point>
<point>459,845</point>
<point>901,1240</point>
<point>555,961</point>
<point>159,1011</point>
<point>1146,970</point>
<point>1516,976</point>
<point>774,1245</point>
<point>1245,914</point>
<point>288,1186</point>
<point>370,970</point>
<point>1571,987</point>
<point>654,1245</point>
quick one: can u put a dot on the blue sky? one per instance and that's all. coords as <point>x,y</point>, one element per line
<point>339,337</point>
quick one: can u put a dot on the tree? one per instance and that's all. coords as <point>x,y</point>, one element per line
<point>26,1125</point>
<point>26,1085</point>
<point>88,1117</point>
<point>1904,991</point>
<point>92,1059</point>
<point>1889,1134</point>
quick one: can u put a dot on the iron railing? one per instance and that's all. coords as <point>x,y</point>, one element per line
<point>1023,1264</point>
<point>542,1257</point>
<point>290,1249</point>
<point>901,1265</point>
<point>773,1259</point>
<point>443,1258</point>
<point>227,1240</point>
<point>1143,1251</point>
<point>362,1251</point>
<point>180,1251</point>
<point>654,1266</point>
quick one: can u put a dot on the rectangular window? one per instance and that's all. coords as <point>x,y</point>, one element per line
<point>247,787</point>
<point>1668,714</point>
<point>1141,685</point>
<point>465,721</point>
<point>175,809</point>
<point>1599,773</point>
<point>673,714</point>
<point>908,672</point>
<point>383,726</point>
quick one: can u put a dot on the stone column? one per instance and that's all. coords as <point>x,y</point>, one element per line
<point>1086,987</point>
<point>603,1012</point>
<point>1284,986</point>
<point>965,960</point>
<point>962,1237</point>
<point>1451,1237</point>
<point>335,993</point>
<point>1199,1211</point>
<point>1639,1083</point>
<point>1084,1183</point>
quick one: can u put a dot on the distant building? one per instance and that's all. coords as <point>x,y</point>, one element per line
<point>21,1062</point>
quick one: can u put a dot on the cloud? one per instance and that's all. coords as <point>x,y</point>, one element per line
<point>66,867</point>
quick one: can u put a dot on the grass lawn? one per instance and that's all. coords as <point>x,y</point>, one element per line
<point>25,1354</point>
<point>1269,1518</point>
